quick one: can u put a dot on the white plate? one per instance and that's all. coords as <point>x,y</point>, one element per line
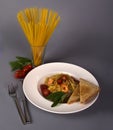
<point>35,77</point>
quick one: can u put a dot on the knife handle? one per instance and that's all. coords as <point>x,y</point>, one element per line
<point>26,111</point>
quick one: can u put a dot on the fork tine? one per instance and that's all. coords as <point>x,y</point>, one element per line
<point>12,88</point>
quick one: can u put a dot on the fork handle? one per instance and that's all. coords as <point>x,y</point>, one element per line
<point>20,111</point>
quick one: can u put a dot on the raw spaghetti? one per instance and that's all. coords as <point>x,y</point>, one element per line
<point>38,25</point>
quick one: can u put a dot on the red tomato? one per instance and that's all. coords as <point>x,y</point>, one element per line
<point>45,92</point>
<point>19,74</point>
<point>59,81</point>
<point>43,86</point>
<point>27,68</point>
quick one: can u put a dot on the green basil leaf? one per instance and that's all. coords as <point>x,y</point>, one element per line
<point>15,65</point>
<point>19,63</point>
<point>23,59</point>
<point>55,103</point>
<point>54,96</point>
<point>65,97</point>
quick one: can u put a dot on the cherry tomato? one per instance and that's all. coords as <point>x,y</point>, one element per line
<point>43,86</point>
<point>45,92</point>
<point>27,68</point>
<point>19,74</point>
<point>59,81</point>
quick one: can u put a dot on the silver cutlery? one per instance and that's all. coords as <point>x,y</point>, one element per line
<point>25,105</point>
<point>13,94</point>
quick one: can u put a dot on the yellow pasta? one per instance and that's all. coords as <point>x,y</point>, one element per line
<point>38,24</point>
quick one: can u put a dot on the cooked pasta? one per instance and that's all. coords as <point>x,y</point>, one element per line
<point>38,25</point>
<point>61,82</point>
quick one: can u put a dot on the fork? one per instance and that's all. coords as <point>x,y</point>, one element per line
<point>12,93</point>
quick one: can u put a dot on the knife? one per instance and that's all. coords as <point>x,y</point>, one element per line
<point>25,104</point>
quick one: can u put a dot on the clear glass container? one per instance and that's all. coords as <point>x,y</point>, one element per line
<point>38,53</point>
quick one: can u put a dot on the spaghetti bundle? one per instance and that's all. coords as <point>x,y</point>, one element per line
<point>38,25</point>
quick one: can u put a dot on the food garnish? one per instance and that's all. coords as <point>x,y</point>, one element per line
<point>21,66</point>
<point>56,97</point>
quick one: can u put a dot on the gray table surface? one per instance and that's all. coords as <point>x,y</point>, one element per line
<point>84,37</point>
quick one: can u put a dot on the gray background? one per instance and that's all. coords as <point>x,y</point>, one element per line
<point>84,37</point>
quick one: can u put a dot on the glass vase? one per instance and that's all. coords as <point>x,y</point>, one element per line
<point>38,53</point>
